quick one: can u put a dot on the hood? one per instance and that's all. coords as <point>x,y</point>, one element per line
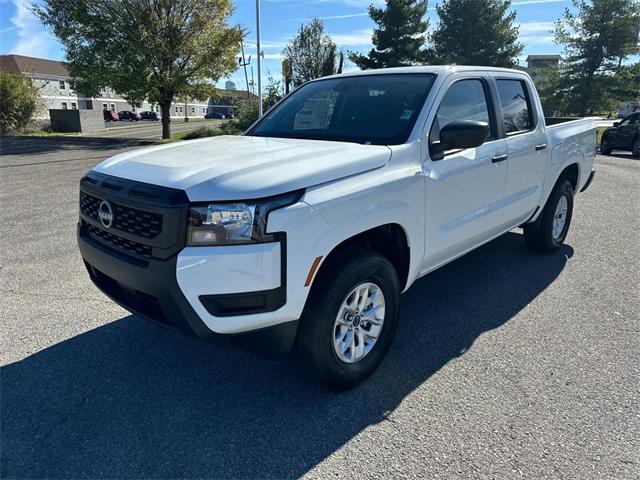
<point>243,167</point>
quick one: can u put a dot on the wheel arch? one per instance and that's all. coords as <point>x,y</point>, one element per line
<point>389,240</point>
<point>572,173</point>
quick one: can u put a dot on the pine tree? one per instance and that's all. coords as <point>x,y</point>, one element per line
<point>598,36</point>
<point>399,37</point>
<point>476,32</point>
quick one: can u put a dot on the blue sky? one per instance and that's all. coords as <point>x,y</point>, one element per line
<point>346,21</point>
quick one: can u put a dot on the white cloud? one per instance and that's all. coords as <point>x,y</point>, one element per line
<point>33,39</point>
<point>330,17</point>
<point>272,56</point>
<point>357,38</point>
<point>516,3</point>
<point>536,32</point>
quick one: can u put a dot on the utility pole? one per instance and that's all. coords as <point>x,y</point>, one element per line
<point>259,57</point>
<point>243,63</point>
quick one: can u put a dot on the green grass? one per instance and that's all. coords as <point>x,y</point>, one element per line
<point>600,132</point>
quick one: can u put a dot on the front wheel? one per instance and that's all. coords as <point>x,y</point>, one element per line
<point>635,149</point>
<point>548,232</point>
<point>605,146</point>
<point>350,319</point>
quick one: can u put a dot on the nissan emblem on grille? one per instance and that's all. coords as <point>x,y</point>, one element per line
<point>105,213</point>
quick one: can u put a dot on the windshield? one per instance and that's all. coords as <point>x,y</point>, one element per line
<point>367,109</point>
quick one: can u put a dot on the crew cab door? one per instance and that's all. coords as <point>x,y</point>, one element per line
<point>464,189</point>
<point>526,138</point>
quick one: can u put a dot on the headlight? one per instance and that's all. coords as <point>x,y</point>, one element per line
<point>234,223</point>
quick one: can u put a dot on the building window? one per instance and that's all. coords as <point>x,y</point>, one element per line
<point>176,109</point>
<point>64,105</point>
<point>204,110</point>
<point>193,110</point>
<point>113,107</point>
<point>89,104</point>
<point>180,109</point>
<point>105,106</point>
<point>74,106</point>
<point>62,87</point>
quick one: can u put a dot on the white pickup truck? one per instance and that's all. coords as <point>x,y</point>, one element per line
<point>301,234</point>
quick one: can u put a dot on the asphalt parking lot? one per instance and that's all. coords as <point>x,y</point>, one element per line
<point>507,364</point>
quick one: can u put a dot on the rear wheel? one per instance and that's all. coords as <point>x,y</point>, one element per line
<point>605,146</point>
<point>548,232</point>
<point>350,319</point>
<point>635,149</point>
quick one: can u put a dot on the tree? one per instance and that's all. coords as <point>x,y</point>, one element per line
<point>153,49</point>
<point>546,80</point>
<point>272,93</point>
<point>312,53</point>
<point>476,32</point>
<point>598,36</point>
<point>19,101</point>
<point>399,37</point>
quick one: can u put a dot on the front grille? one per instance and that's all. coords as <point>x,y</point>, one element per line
<point>127,219</point>
<point>119,243</point>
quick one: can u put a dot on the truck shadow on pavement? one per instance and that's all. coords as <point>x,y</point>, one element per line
<point>132,400</point>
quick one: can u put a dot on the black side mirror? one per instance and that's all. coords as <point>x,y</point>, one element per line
<point>616,124</point>
<point>459,134</point>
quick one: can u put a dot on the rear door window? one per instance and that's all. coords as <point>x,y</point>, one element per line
<point>516,106</point>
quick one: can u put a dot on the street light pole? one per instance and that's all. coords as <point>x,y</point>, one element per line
<point>259,57</point>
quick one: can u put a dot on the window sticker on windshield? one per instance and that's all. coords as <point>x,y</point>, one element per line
<point>406,114</point>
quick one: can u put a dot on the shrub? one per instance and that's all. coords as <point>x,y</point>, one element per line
<point>247,114</point>
<point>19,101</point>
<point>201,133</point>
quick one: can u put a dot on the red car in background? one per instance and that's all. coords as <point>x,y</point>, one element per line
<point>110,116</point>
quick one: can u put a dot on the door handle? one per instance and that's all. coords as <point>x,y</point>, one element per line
<point>499,158</point>
<point>542,146</point>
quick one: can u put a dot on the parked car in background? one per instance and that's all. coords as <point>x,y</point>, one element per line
<point>627,110</point>
<point>624,135</point>
<point>110,116</point>
<point>215,115</point>
<point>301,234</point>
<point>129,115</point>
<point>149,116</point>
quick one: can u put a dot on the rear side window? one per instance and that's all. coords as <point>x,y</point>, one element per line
<point>465,100</point>
<point>516,106</point>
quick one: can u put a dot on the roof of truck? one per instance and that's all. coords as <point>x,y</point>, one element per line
<point>436,69</point>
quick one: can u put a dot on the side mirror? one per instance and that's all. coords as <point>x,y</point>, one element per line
<point>616,124</point>
<point>459,134</point>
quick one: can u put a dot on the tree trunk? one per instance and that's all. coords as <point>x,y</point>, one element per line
<point>165,107</point>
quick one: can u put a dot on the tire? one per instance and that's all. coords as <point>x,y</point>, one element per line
<point>635,148</point>
<point>605,146</point>
<point>315,352</point>
<point>540,235</point>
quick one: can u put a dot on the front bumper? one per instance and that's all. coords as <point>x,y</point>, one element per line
<point>152,292</point>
